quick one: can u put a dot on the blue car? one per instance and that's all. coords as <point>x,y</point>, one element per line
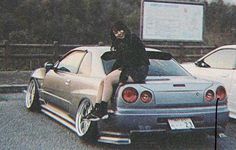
<point>170,100</point>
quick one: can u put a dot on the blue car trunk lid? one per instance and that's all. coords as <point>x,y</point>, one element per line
<point>177,90</point>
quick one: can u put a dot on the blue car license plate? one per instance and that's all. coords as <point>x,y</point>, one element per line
<point>181,123</point>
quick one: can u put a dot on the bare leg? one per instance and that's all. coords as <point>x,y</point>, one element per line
<point>111,79</point>
<point>104,95</point>
<point>100,91</point>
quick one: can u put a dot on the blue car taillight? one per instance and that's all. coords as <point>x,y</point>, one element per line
<point>209,96</point>
<point>130,95</point>
<point>146,97</point>
<point>221,93</point>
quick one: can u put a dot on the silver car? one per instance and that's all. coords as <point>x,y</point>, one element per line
<point>170,100</point>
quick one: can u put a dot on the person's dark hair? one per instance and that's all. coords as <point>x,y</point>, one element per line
<point>119,25</point>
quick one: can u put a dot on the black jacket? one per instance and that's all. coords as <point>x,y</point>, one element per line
<point>131,58</point>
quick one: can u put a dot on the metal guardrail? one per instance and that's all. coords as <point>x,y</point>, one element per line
<point>31,56</point>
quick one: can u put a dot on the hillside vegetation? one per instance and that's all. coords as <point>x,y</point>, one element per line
<point>89,21</point>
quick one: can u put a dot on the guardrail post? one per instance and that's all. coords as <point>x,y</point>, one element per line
<point>6,53</point>
<point>181,53</point>
<point>56,49</point>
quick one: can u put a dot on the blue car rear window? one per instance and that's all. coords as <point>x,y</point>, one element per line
<point>156,68</point>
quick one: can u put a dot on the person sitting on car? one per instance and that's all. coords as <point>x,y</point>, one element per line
<point>131,65</point>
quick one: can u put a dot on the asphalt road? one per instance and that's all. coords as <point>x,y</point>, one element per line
<point>21,129</point>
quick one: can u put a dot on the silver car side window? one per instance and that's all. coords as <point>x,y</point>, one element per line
<point>85,67</point>
<point>71,62</point>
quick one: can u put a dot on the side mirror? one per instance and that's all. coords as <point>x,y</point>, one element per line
<point>48,66</point>
<point>197,63</point>
<point>201,63</point>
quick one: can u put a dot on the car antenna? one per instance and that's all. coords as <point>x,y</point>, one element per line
<point>216,119</point>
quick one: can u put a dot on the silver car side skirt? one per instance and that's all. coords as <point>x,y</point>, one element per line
<point>60,120</point>
<point>53,109</point>
<point>59,115</point>
<point>53,95</point>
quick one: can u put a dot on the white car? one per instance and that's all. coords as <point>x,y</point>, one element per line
<point>218,65</point>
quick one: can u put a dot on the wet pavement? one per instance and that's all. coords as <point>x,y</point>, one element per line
<point>22,129</point>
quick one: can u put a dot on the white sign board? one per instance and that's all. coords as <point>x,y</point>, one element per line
<point>172,21</point>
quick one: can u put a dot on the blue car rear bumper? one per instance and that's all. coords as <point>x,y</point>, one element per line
<point>125,122</point>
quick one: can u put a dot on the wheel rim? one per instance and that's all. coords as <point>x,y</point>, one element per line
<point>30,94</point>
<point>82,125</point>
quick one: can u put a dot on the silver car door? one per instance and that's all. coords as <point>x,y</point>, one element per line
<point>57,82</point>
<point>82,80</point>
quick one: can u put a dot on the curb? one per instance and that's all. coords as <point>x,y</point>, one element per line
<point>16,88</point>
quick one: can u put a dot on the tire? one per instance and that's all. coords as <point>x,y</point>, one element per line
<point>86,129</point>
<point>32,96</point>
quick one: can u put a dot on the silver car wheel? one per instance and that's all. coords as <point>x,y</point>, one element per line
<point>82,125</point>
<point>30,94</point>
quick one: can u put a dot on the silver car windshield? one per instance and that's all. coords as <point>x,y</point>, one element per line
<point>156,68</point>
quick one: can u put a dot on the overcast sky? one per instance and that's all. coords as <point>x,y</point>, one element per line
<point>226,1</point>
